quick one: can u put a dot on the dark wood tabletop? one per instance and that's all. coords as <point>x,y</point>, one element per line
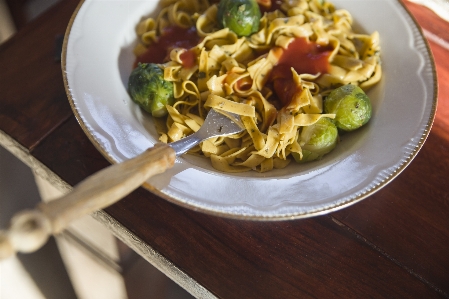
<point>393,244</point>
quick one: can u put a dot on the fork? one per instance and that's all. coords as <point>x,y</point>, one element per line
<point>30,229</point>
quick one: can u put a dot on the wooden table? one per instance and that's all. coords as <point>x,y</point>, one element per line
<point>394,244</point>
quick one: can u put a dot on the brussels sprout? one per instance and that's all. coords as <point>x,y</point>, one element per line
<point>317,140</point>
<point>240,16</point>
<point>351,106</point>
<point>147,87</point>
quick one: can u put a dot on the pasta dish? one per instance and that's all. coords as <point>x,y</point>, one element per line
<point>278,77</point>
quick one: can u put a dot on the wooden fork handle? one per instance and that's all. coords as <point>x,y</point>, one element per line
<point>29,230</point>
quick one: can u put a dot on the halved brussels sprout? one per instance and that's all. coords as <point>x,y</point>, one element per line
<point>148,88</point>
<point>240,16</point>
<point>317,140</point>
<point>351,106</point>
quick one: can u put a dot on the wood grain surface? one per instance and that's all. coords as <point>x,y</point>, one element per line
<point>33,99</point>
<point>394,244</point>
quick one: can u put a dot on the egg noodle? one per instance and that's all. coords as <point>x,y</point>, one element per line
<point>233,74</point>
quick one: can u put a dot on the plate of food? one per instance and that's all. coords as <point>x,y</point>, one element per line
<point>336,97</point>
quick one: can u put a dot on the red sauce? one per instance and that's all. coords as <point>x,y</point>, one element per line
<point>285,89</point>
<point>188,58</point>
<point>269,5</point>
<point>304,57</point>
<point>244,84</point>
<point>171,37</point>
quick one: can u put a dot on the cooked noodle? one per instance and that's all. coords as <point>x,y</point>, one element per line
<point>237,74</point>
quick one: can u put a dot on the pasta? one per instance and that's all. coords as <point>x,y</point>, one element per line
<point>275,79</point>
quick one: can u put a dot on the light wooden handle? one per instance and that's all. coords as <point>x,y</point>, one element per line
<point>29,230</point>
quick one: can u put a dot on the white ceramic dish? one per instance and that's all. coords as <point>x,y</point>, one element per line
<point>97,60</point>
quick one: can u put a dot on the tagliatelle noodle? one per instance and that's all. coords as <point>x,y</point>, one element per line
<point>232,74</point>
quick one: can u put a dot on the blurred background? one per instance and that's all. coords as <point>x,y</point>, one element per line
<point>86,261</point>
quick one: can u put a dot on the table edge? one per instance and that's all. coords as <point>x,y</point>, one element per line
<point>116,228</point>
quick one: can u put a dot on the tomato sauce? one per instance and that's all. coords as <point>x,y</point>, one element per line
<point>269,5</point>
<point>304,57</point>
<point>244,84</point>
<point>171,37</point>
<point>188,59</point>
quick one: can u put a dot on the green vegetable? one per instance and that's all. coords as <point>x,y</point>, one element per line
<point>147,87</point>
<point>351,106</point>
<point>317,140</point>
<point>240,16</point>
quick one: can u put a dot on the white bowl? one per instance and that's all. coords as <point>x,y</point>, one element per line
<point>98,58</point>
